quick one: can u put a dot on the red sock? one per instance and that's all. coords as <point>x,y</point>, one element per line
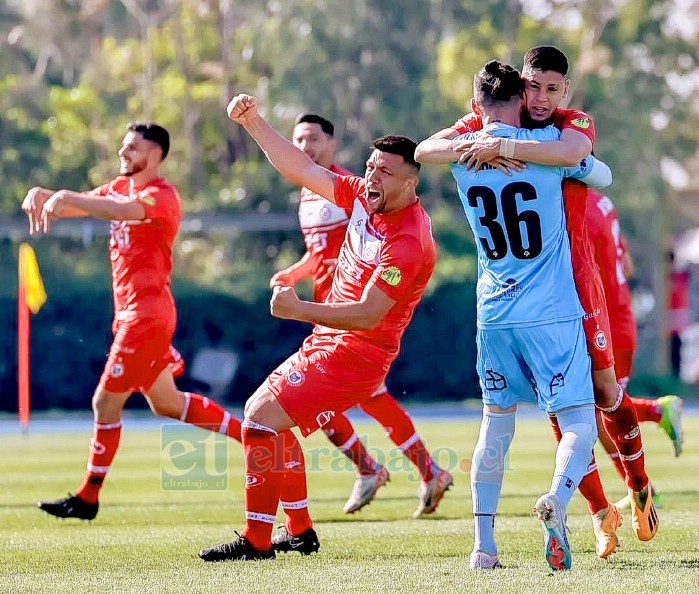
<point>103,447</point>
<point>615,458</point>
<point>207,414</point>
<point>400,429</point>
<point>590,486</point>
<point>264,471</point>
<point>341,433</point>
<point>647,409</point>
<point>622,426</point>
<point>294,493</point>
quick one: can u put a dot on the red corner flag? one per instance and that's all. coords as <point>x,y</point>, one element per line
<point>32,296</point>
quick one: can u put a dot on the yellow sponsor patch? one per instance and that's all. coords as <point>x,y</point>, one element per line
<point>149,200</point>
<point>392,276</point>
<point>583,123</point>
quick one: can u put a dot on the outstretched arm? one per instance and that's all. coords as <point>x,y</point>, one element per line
<point>67,204</point>
<point>291,162</point>
<point>441,148</point>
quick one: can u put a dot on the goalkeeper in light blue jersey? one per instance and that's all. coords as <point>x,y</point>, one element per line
<point>531,344</point>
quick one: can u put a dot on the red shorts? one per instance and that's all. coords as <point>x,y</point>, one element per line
<point>139,353</point>
<point>596,322</point>
<point>313,388</point>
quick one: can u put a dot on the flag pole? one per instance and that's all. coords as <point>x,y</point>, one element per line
<point>23,328</point>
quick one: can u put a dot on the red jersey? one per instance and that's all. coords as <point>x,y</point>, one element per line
<point>141,250</point>
<point>605,236</point>
<point>323,225</point>
<point>396,252</point>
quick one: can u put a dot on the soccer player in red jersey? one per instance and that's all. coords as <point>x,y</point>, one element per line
<point>613,260</point>
<point>144,210</point>
<point>546,85</point>
<point>384,265</point>
<point>324,225</point>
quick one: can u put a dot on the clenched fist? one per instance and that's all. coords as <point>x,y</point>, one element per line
<point>243,108</point>
<point>285,303</point>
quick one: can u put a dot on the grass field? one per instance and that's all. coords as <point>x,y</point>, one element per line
<point>145,539</point>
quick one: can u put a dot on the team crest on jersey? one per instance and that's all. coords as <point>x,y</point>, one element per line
<point>600,340</point>
<point>324,418</point>
<point>392,276</point>
<point>295,377</point>
<point>370,250</point>
<point>583,123</point>
<point>117,370</point>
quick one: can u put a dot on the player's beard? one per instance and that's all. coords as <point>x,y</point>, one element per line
<point>131,169</point>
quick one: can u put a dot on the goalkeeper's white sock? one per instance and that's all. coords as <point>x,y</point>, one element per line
<point>574,452</point>
<point>487,468</point>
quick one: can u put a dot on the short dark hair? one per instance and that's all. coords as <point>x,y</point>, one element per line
<point>397,145</point>
<point>151,131</point>
<point>546,57</point>
<point>497,82</point>
<point>313,118</point>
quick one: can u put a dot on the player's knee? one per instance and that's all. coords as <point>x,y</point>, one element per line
<point>164,409</point>
<point>586,432</point>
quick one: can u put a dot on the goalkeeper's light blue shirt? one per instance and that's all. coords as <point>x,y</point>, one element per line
<point>525,275</point>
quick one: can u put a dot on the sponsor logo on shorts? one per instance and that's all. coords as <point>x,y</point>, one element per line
<point>97,447</point>
<point>583,123</point>
<point>592,315</point>
<point>494,381</point>
<point>117,370</point>
<point>295,377</point>
<point>253,480</point>
<point>392,276</point>
<point>600,340</point>
<point>324,418</point>
<point>633,433</point>
<point>557,381</point>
